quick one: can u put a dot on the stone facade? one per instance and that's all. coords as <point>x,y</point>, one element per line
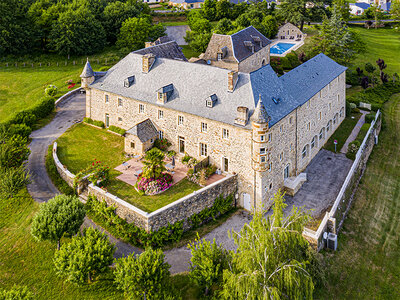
<point>290,32</point>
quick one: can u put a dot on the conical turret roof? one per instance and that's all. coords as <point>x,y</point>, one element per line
<point>87,70</point>
<point>260,114</point>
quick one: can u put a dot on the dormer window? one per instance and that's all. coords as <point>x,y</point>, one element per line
<point>211,101</point>
<point>219,56</point>
<point>164,94</point>
<point>128,82</point>
<point>249,45</point>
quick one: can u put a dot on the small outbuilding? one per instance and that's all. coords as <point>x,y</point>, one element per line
<point>290,32</point>
<point>140,137</point>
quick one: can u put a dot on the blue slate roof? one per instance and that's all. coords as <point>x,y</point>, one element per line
<point>281,95</point>
<point>361,5</point>
<point>386,6</point>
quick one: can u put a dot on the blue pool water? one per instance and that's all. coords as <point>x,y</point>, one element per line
<point>281,48</point>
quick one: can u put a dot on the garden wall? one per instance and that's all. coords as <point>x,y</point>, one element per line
<point>176,211</point>
<point>67,95</point>
<point>333,220</point>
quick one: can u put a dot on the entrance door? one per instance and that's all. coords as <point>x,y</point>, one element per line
<point>246,201</point>
<point>225,163</point>
<point>286,172</point>
<point>107,120</point>
<point>181,145</point>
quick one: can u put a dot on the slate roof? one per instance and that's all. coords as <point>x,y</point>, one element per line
<point>169,50</point>
<point>144,130</point>
<point>386,6</point>
<point>361,5</point>
<point>240,51</point>
<point>260,114</point>
<point>87,70</point>
<point>195,82</point>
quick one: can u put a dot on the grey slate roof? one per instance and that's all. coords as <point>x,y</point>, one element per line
<point>193,83</point>
<point>144,130</point>
<point>87,70</point>
<point>240,51</point>
<point>260,114</point>
<point>169,50</point>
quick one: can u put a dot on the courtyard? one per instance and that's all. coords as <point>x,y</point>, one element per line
<point>82,144</point>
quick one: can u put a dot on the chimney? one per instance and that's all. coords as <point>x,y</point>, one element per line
<point>148,44</point>
<point>242,115</point>
<point>232,80</point>
<point>147,62</point>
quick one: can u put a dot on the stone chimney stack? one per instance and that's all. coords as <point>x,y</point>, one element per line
<point>232,80</point>
<point>147,62</point>
<point>242,115</point>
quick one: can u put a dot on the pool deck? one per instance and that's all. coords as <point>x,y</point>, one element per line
<point>297,45</point>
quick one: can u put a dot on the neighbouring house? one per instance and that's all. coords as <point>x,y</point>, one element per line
<point>386,6</point>
<point>290,32</point>
<point>245,119</point>
<point>244,51</point>
<point>373,2</point>
<point>358,8</point>
<point>186,4</point>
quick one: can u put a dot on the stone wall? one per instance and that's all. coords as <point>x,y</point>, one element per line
<point>62,170</point>
<point>192,204</point>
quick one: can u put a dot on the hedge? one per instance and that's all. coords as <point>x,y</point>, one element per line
<point>116,129</point>
<point>370,117</point>
<point>94,122</point>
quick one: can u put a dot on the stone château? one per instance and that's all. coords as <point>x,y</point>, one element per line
<point>231,106</point>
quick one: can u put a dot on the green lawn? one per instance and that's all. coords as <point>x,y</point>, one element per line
<point>380,43</point>
<point>367,263</point>
<point>342,133</point>
<point>82,144</point>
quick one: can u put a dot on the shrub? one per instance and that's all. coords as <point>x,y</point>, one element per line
<point>153,163</point>
<point>117,129</point>
<point>353,106</point>
<point>186,158</point>
<point>43,109</point>
<point>210,170</point>
<point>293,59</point>
<point>152,186</point>
<point>12,180</point>
<point>286,65</point>
<point>88,255</point>
<point>171,153</point>
<point>162,144</point>
<point>352,78</point>
<point>145,275</point>
<point>369,118</point>
<point>13,151</point>
<point>94,122</point>
<point>19,129</point>
<point>24,117</point>
<point>51,90</point>
<point>16,293</point>
<point>353,149</point>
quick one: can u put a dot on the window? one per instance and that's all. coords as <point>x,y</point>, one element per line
<point>304,153</point>
<point>141,108</point>
<point>262,159</point>
<point>119,119</point>
<point>341,112</point>
<point>281,156</point>
<point>281,128</point>
<point>262,151</point>
<point>119,102</point>
<point>290,120</point>
<point>180,120</point>
<point>161,134</point>
<point>219,56</point>
<point>203,127</point>
<point>270,137</point>
<point>262,138</point>
<point>106,98</point>
<point>225,133</point>
<point>338,98</point>
<point>321,134</point>
<point>313,143</point>
<point>320,116</point>
<point>270,186</point>
<point>330,106</point>
<point>335,118</point>
<point>160,114</point>
<point>291,146</point>
<point>270,167</point>
<point>308,104</point>
<point>308,126</point>
<point>132,145</point>
<point>328,126</point>
<point>203,149</point>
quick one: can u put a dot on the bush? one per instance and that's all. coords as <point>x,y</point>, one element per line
<point>286,65</point>
<point>116,129</point>
<point>145,275</point>
<point>162,144</point>
<point>171,153</point>
<point>43,109</point>
<point>16,293</point>
<point>51,90</point>
<point>186,159</point>
<point>352,78</point>
<point>353,106</point>
<point>353,149</point>
<point>94,122</point>
<point>13,151</point>
<point>151,186</point>
<point>348,108</point>
<point>370,117</point>
<point>19,129</point>
<point>12,180</point>
<point>24,117</point>
<point>293,59</point>
<point>210,170</point>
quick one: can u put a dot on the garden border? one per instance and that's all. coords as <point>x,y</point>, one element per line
<point>333,220</point>
<point>179,210</point>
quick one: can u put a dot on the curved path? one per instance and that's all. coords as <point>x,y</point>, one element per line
<point>69,112</point>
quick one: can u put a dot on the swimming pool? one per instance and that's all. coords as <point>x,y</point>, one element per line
<point>281,48</point>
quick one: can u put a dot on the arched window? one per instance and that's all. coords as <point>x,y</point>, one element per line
<point>304,153</point>
<point>313,142</point>
<point>264,62</point>
<point>341,114</point>
<point>335,118</point>
<point>328,126</point>
<point>322,134</point>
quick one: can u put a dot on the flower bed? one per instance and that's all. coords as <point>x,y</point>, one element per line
<point>153,186</point>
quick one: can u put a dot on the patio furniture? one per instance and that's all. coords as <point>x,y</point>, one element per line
<point>137,158</point>
<point>138,172</point>
<point>169,167</point>
<point>126,165</point>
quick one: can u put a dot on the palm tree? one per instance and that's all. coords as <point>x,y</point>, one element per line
<point>153,163</point>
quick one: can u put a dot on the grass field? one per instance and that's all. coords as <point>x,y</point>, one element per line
<point>367,263</point>
<point>83,144</point>
<point>380,43</point>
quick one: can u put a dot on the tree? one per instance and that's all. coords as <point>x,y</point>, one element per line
<point>300,11</point>
<point>364,82</point>
<point>272,259</point>
<point>153,163</point>
<point>143,276</point>
<point>343,7</point>
<point>136,31</point>
<point>13,180</point>
<point>269,27</point>
<point>16,293</point>
<point>207,263</point>
<point>370,69</point>
<point>61,215</point>
<point>88,255</point>
<point>77,32</point>
<point>222,9</point>
<point>224,26</point>
<point>378,15</point>
<point>209,10</point>
<point>335,39</point>
<point>395,9</point>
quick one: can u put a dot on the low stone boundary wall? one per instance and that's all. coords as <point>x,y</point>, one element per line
<point>67,95</point>
<point>179,210</point>
<point>333,220</point>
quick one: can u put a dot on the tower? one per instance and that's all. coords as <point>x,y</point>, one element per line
<point>87,75</point>
<point>260,151</point>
